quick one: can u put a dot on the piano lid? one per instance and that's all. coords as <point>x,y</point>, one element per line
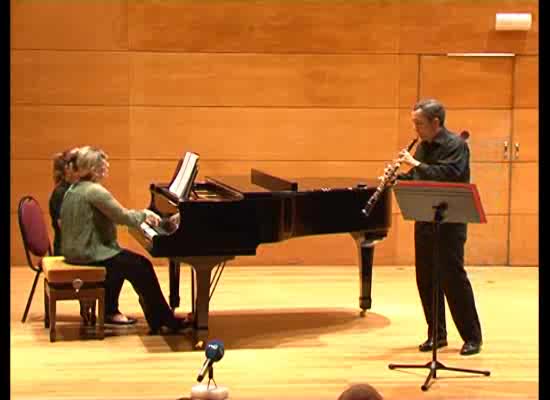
<point>244,184</point>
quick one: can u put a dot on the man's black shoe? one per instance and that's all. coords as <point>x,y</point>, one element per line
<point>470,348</point>
<point>174,326</point>
<point>428,344</point>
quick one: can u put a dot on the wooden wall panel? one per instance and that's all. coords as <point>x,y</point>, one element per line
<point>30,177</point>
<point>265,80</point>
<point>489,129</point>
<point>274,26</point>
<point>34,177</point>
<point>264,133</point>
<point>450,26</point>
<point>525,183</point>
<point>487,243</point>
<point>78,25</point>
<point>493,183</point>
<point>406,132</point>
<point>526,82</point>
<point>467,82</point>
<point>408,79</point>
<point>524,240</point>
<point>264,27</point>
<point>55,128</point>
<point>404,241</point>
<point>526,134</point>
<point>69,77</point>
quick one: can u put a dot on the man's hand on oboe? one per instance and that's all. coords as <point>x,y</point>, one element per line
<point>407,158</point>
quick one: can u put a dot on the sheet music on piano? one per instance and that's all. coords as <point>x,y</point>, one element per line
<point>181,186</point>
<point>182,183</point>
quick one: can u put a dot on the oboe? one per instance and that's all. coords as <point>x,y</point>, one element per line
<point>388,177</point>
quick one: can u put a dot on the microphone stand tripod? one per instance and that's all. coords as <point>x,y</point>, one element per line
<point>435,365</point>
<point>202,391</point>
<point>211,376</point>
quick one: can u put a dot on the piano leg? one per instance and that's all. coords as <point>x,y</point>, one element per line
<point>174,276</point>
<point>365,247</point>
<point>201,302</point>
<point>203,267</point>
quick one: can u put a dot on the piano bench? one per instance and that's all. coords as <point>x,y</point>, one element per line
<point>64,281</point>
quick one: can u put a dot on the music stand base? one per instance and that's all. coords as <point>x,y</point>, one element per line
<point>433,366</point>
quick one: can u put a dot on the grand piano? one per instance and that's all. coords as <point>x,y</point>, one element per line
<point>226,217</point>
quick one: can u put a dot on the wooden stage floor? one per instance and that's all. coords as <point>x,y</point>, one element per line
<point>289,333</point>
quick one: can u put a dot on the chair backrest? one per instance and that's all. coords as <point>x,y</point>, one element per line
<point>33,231</point>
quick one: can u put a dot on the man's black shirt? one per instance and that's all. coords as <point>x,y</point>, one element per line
<point>446,159</point>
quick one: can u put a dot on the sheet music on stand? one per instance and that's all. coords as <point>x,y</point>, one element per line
<point>183,182</point>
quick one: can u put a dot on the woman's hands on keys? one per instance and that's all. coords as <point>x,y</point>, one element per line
<point>152,218</point>
<point>175,219</point>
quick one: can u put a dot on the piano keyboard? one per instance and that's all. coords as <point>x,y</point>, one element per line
<point>152,231</point>
<point>148,230</point>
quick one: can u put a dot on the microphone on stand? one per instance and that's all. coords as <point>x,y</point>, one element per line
<point>214,352</point>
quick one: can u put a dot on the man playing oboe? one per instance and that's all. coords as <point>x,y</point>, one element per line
<point>442,156</point>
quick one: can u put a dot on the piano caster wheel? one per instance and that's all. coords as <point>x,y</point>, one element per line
<point>362,313</point>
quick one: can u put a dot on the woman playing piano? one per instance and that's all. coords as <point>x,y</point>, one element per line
<point>89,216</point>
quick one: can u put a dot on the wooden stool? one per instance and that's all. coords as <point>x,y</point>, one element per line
<point>63,281</point>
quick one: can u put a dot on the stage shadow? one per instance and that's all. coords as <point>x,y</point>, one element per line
<point>264,329</point>
<point>250,329</point>
<point>69,328</point>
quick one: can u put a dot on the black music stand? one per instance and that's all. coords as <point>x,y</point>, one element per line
<point>438,202</point>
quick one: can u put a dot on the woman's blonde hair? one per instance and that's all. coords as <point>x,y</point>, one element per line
<point>90,162</point>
